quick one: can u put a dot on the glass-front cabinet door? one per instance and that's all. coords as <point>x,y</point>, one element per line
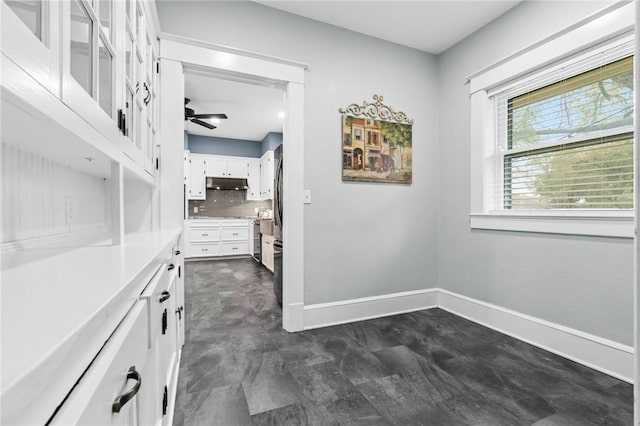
<point>31,41</point>
<point>89,59</point>
<point>99,57</point>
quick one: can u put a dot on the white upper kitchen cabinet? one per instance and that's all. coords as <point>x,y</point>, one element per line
<point>223,167</point>
<point>266,176</point>
<point>197,178</point>
<point>31,42</point>
<point>253,192</point>
<point>215,167</point>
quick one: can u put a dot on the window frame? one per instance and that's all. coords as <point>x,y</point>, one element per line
<point>607,29</point>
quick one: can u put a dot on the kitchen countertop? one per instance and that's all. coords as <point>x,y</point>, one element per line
<point>58,309</point>
<point>226,217</point>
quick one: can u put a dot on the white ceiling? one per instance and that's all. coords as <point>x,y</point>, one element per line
<point>430,26</point>
<point>252,110</point>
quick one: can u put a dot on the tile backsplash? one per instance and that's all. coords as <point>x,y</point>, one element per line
<point>226,203</point>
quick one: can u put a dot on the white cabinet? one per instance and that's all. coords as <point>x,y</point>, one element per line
<point>227,237</point>
<point>237,169</point>
<point>267,251</point>
<point>217,166</point>
<point>29,40</point>
<point>266,176</point>
<point>253,192</point>
<point>101,396</point>
<point>133,378</point>
<point>98,58</point>
<point>197,182</point>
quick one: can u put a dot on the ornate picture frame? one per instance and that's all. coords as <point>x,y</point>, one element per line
<point>376,143</point>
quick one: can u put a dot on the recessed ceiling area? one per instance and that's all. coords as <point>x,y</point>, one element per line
<point>430,26</point>
<point>252,110</point>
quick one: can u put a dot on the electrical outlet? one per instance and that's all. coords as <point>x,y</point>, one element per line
<point>195,210</point>
<point>307,196</point>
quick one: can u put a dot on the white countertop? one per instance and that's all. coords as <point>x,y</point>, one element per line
<point>55,301</point>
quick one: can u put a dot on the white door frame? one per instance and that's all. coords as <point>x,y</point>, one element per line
<point>257,68</point>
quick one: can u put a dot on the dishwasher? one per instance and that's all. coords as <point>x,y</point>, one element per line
<point>257,241</point>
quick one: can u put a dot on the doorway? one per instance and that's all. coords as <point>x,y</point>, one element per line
<point>179,54</point>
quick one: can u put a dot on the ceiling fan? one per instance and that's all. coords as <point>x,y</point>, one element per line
<point>190,114</point>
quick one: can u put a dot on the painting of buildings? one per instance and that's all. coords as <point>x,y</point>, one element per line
<point>375,150</point>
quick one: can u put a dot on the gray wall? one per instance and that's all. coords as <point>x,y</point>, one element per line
<point>579,282</point>
<point>271,141</point>
<point>199,144</point>
<point>360,239</point>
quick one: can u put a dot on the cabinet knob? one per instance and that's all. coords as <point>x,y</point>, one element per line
<point>122,399</point>
<point>164,296</point>
<point>171,266</point>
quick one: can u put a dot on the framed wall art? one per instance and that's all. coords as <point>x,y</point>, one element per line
<point>376,143</point>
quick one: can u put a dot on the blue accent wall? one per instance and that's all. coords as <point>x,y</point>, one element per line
<point>271,141</point>
<point>223,146</point>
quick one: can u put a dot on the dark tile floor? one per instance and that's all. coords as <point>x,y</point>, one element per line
<point>424,368</point>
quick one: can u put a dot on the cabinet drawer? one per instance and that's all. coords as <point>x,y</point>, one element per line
<point>240,247</point>
<point>157,295</point>
<point>206,249</point>
<point>239,233</point>
<point>91,402</point>
<point>205,234</point>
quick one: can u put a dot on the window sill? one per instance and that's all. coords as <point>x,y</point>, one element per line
<point>610,225</point>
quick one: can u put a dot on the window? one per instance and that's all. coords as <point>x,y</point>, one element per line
<point>569,144</point>
<point>552,133</point>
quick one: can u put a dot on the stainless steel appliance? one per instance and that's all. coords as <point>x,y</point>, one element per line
<point>257,242</point>
<point>277,223</point>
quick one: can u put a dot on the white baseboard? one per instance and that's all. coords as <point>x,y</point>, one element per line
<point>326,314</point>
<point>604,355</point>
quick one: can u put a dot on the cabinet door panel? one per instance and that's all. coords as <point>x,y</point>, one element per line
<point>91,402</point>
<point>253,192</point>
<point>235,233</point>
<point>237,169</point>
<point>231,248</point>
<point>205,234</point>
<point>216,167</point>
<point>197,190</point>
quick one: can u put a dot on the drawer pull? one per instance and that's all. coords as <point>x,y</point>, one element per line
<point>171,266</point>
<point>235,233</point>
<point>121,400</point>
<point>164,296</point>
<point>205,235</point>
<point>205,249</point>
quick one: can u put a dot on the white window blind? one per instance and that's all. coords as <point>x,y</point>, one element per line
<point>565,139</point>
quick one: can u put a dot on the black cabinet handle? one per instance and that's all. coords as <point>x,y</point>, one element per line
<point>171,266</point>
<point>165,401</point>
<point>177,252</point>
<point>121,400</point>
<point>179,312</point>
<point>164,296</point>
<point>164,322</point>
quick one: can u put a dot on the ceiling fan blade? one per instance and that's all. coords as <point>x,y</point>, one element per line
<point>203,123</point>
<point>220,116</point>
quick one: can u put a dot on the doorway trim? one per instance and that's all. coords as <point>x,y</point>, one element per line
<point>227,62</point>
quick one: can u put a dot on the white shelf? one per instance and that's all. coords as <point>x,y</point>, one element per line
<point>58,309</point>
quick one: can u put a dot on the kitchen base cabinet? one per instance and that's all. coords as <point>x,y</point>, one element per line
<point>267,251</point>
<point>111,390</point>
<point>223,237</point>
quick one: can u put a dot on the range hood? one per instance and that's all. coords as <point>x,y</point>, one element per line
<point>229,184</point>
